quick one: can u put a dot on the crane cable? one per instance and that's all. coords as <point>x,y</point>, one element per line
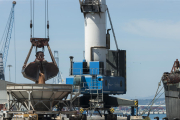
<point>151,102</point>
<point>153,99</point>
<point>45,18</point>
<point>33,18</point>
<point>112,29</point>
<point>32,8</point>
<point>159,84</point>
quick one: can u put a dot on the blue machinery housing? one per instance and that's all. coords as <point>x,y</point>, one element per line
<point>95,79</point>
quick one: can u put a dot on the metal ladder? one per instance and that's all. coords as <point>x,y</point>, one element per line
<point>98,89</point>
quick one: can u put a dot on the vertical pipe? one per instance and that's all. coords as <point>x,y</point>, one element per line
<point>71,63</point>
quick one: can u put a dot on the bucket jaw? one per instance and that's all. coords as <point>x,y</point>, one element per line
<point>40,70</point>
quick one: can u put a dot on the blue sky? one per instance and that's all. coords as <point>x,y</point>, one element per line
<point>147,29</point>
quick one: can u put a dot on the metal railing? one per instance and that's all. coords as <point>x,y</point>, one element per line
<point>91,85</point>
<point>88,86</point>
<point>82,71</point>
<point>39,87</point>
<point>91,2</point>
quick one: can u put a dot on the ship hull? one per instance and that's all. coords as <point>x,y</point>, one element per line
<point>172,100</point>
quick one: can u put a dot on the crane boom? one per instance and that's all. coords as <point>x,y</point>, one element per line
<point>5,41</point>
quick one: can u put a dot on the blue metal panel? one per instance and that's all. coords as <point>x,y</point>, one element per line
<point>114,85</point>
<point>94,67</point>
<point>90,85</point>
<point>77,68</point>
<point>69,80</point>
<point>110,85</point>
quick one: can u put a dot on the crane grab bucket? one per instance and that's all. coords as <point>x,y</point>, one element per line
<point>35,70</point>
<point>40,70</point>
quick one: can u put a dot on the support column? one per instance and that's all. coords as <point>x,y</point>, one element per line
<point>8,98</point>
<point>136,111</point>
<point>132,111</point>
<point>29,99</point>
<point>71,101</point>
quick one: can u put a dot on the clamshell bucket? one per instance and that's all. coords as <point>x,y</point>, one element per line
<point>32,70</point>
<point>40,70</point>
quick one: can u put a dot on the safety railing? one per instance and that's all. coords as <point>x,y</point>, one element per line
<point>88,86</point>
<point>39,87</point>
<point>91,85</point>
<point>92,2</point>
<point>85,71</point>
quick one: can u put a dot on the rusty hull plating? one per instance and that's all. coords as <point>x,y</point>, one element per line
<point>40,70</point>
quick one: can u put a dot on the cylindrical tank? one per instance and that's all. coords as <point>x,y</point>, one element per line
<point>95,35</point>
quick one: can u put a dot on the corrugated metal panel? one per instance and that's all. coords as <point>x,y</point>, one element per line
<point>172,104</point>
<point>172,94</point>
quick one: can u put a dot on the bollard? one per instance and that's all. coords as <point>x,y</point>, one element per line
<point>157,118</point>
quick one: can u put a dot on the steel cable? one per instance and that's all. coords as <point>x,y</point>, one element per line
<point>151,104</point>
<point>45,18</point>
<point>153,99</point>
<point>33,18</point>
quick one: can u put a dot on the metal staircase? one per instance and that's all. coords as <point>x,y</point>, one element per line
<point>96,93</point>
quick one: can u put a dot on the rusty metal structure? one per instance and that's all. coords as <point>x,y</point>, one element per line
<point>174,76</point>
